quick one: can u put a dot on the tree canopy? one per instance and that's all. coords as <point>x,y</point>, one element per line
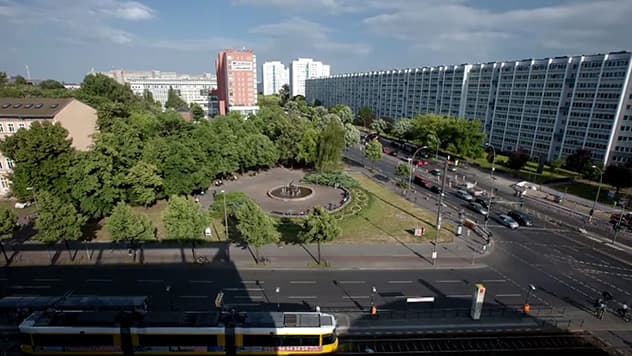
<point>255,227</point>
<point>518,159</point>
<point>174,101</point>
<point>57,220</point>
<point>373,151</point>
<point>619,176</point>
<point>183,219</point>
<point>125,225</point>
<point>580,161</point>
<point>8,223</point>
<point>330,145</point>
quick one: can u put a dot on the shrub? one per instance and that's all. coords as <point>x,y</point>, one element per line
<point>332,179</point>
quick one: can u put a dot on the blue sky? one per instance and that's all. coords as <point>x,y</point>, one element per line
<point>64,39</point>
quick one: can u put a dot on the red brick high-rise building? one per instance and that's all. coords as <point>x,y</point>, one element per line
<point>237,81</point>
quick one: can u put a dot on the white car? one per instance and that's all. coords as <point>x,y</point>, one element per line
<point>22,205</point>
<point>464,195</point>
<point>478,208</point>
<point>507,221</point>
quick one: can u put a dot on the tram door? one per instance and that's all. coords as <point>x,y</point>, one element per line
<point>229,338</point>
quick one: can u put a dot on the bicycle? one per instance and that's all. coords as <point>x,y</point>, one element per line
<point>201,260</point>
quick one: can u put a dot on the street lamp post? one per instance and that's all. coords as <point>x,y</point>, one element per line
<point>529,291</point>
<point>411,160</point>
<point>168,290</point>
<point>439,211</point>
<point>592,211</point>
<point>373,291</point>
<point>277,290</point>
<point>491,189</point>
<point>226,225</point>
<point>437,153</point>
<point>617,227</point>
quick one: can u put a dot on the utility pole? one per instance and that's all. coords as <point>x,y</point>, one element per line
<point>439,211</point>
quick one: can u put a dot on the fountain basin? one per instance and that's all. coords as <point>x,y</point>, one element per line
<point>290,193</point>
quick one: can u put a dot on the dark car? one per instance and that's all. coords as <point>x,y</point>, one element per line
<point>520,217</point>
<point>435,172</point>
<point>435,189</point>
<point>393,153</point>
<point>483,203</point>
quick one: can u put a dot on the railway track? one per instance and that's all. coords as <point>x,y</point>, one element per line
<point>534,344</point>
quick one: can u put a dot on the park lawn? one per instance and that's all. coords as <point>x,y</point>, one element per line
<point>388,218</point>
<point>10,204</point>
<point>529,171</point>
<point>586,190</point>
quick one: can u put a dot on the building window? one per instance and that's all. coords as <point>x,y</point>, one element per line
<point>4,183</point>
<point>1,128</point>
<point>9,163</point>
<point>11,128</point>
<point>20,126</point>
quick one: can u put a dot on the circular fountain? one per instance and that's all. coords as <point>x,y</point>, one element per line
<point>290,192</point>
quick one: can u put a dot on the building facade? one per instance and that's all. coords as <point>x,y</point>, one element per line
<point>275,75</point>
<point>192,89</point>
<point>549,107</point>
<point>237,81</point>
<point>303,69</point>
<point>16,113</point>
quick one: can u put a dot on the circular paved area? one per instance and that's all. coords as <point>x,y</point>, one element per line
<point>257,187</point>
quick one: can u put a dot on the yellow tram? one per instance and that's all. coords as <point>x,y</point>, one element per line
<point>117,333</point>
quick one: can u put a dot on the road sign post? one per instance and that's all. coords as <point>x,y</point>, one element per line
<point>478,297</point>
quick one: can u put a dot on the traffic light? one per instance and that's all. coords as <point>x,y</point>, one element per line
<point>521,202</point>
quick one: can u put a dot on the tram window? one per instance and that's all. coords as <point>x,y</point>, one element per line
<point>25,339</point>
<point>72,339</point>
<point>177,340</point>
<point>309,341</point>
<point>290,341</point>
<point>261,340</point>
<point>329,339</point>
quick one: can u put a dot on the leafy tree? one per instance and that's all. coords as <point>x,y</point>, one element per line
<point>57,220</point>
<point>93,186</point>
<point>365,116</point>
<point>99,85</point>
<point>3,78</point>
<point>402,170</point>
<point>51,84</point>
<point>403,128</point>
<point>308,147</point>
<point>284,94</point>
<point>580,161</point>
<point>352,135</point>
<point>518,159</point>
<point>19,80</point>
<point>43,155</point>
<point>460,136</point>
<point>320,226</point>
<point>260,152</point>
<point>344,113</point>
<point>318,113</point>
<point>330,145</point>
<point>183,219</point>
<point>144,184</point>
<point>619,176</point>
<point>8,224</point>
<point>197,111</point>
<point>174,101</point>
<point>379,126</point>
<point>556,164</point>
<point>124,225</point>
<point>373,151</point>
<point>255,226</point>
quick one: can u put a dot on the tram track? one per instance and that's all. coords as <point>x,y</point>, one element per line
<point>514,344</point>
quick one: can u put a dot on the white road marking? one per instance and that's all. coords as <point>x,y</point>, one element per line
<point>508,295</point>
<point>150,280</point>
<point>30,287</point>
<point>302,282</point>
<point>249,297</point>
<point>494,280</point>
<point>400,282</point>
<point>200,281</point>
<point>459,296</point>
<point>244,304</point>
<point>449,281</point>
<point>355,297</point>
<point>302,297</point>
<point>351,282</point>
<point>252,282</point>
<point>243,289</point>
<point>97,280</point>
<point>47,279</point>
<point>193,296</point>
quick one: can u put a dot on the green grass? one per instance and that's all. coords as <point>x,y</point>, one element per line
<point>528,172</point>
<point>586,190</point>
<point>10,204</point>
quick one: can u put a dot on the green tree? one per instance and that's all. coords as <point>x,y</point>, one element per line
<point>556,164</point>
<point>344,113</point>
<point>50,84</point>
<point>379,126</point>
<point>43,155</point>
<point>125,225</point>
<point>284,94</point>
<point>518,159</point>
<point>352,135</point>
<point>259,152</point>
<point>308,147</point>
<point>330,145</point>
<point>365,116</point>
<point>320,226</point>
<point>197,111</point>
<point>144,184</point>
<point>19,80</point>
<point>174,101</point>
<point>619,176</point>
<point>402,170</point>
<point>373,152</point>
<point>99,85</point>
<point>580,161</point>
<point>8,224</point>
<point>57,220</point>
<point>402,128</point>
<point>184,221</point>
<point>3,78</point>
<point>255,226</point>
<point>93,187</point>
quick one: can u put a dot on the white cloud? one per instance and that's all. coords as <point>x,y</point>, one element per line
<point>201,45</point>
<point>335,7</point>
<point>299,33</point>
<point>441,28</point>
<point>131,10</point>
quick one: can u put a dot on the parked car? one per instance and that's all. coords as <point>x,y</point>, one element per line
<point>477,208</point>
<point>483,203</point>
<point>520,217</point>
<point>464,195</point>
<point>507,221</point>
<point>422,181</point>
<point>19,205</point>
<point>420,162</point>
<point>626,220</point>
<point>435,172</point>
<point>452,168</point>
<point>435,189</point>
<point>393,153</point>
<point>387,150</point>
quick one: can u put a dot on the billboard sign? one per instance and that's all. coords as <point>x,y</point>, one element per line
<point>241,65</point>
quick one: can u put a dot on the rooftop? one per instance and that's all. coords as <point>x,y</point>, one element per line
<point>32,107</point>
